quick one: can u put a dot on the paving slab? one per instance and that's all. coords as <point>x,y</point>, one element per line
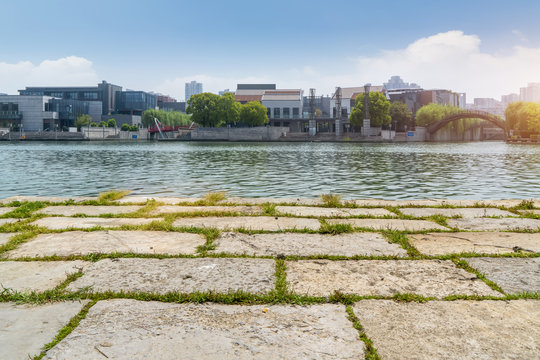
<point>437,278</point>
<point>4,237</point>
<point>435,244</point>
<point>170,209</point>
<point>331,212</point>
<point>25,329</point>
<point>492,224</point>
<point>54,199</point>
<point>7,221</point>
<point>5,210</point>
<point>463,212</point>
<point>468,330</point>
<point>184,275</point>
<point>36,275</point>
<point>307,244</point>
<point>57,223</point>
<point>107,242</point>
<point>164,200</point>
<point>264,200</point>
<point>390,224</point>
<point>513,275</point>
<point>89,210</point>
<point>130,329</point>
<point>530,211</point>
<point>268,223</point>
<point>380,202</point>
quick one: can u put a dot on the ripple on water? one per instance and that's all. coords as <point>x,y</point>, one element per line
<point>390,171</point>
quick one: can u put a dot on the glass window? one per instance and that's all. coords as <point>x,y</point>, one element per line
<point>286,113</point>
<point>296,112</point>
<point>269,112</point>
<point>277,113</point>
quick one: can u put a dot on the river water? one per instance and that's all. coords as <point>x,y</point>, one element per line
<point>476,170</point>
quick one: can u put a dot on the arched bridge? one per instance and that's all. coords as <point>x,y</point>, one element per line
<point>467,114</point>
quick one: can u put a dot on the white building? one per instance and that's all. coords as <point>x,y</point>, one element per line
<point>193,88</point>
<point>283,103</point>
<point>531,93</point>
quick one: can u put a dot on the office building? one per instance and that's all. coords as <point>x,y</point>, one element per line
<point>28,113</point>
<point>193,88</point>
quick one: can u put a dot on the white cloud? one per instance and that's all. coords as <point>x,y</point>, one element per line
<point>451,60</point>
<point>68,71</point>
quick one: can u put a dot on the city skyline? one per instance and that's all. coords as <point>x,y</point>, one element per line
<point>220,45</point>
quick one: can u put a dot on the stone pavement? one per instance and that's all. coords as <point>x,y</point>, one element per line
<point>169,278</point>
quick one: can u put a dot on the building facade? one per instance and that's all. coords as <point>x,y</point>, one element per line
<point>531,93</point>
<point>193,88</point>
<point>396,82</point>
<point>103,92</point>
<point>28,113</point>
<point>134,102</point>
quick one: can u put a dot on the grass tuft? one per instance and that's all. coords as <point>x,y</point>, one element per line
<point>335,229</point>
<point>112,195</point>
<point>331,200</point>
<point>525,205</point>
<point>212,198</point>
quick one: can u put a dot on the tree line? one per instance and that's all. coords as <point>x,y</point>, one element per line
<point>523,116</point>
<point>211,110</point>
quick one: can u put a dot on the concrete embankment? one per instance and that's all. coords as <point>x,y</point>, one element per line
<point>218,277</point>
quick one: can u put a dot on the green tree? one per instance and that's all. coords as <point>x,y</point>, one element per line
<point>401,115</point>
<point>177,118</point>
<point>82,120</point>
<point>111,123</point>
<point>228,110</point>
<point>514,114</point>
<point>379,107</point>
<point>102,124</point>
<point>533,117</point>
<point>253,114</point>
<point>93,124</point>
<point>205,110</point>
<point>149,115</point>
<point>125,127</point>
<point>431,113</point>
<point>133,128</point>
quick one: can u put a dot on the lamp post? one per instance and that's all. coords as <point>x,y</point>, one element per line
<point>367,122</point>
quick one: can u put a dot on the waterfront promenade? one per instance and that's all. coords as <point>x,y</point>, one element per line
<point>217,277</point>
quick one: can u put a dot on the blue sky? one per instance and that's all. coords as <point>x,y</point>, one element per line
<point>158,45</point>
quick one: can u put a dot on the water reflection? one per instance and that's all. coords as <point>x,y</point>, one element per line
<point>390,171</point>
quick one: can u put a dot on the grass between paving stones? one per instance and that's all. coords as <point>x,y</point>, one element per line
<point>370,352</point>
<point>66,330</point>
<point>400,238</point>
<point>25,210</point>
<point>465,266</point>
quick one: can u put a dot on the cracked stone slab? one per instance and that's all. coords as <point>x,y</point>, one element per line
<point>331,212</point>
<point>268,223</point>
<point>5,210</point>
<point>164,200</point>
<point>57,223</point>
<point>491,224</point>
<point>513,275</point>
<point>463,212</point>
<point>70,210</point>
<point>107,242</point>
<point>435,244</point>
<point>130,329</point>
<point>184,275</point>
<point>431,278</point>
<point>307,244</point>
<point>170,209</point>
<point>27,328</point>
<point>390,224</point>
<point>53,199</point>
<point>259,201</point>
<point>36,275</point>
<point>4,237</point>
<point>468,330</point>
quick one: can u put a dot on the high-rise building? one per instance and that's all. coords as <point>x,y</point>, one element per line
<point>530,93</point>
<point>193,88</point>
<point>396,82</point>
<point>508,99</point>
